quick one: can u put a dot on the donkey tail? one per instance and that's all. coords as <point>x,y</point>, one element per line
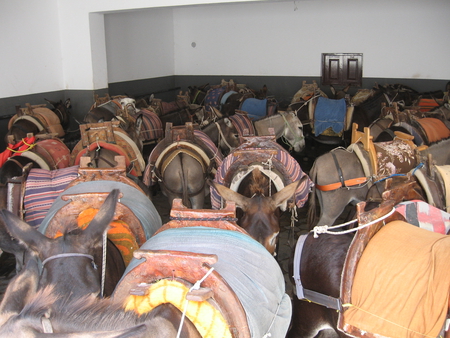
<point>184,185</point>
<point>312,210</point>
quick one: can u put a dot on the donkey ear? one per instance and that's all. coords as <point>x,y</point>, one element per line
<point>284,194</point>
<point>228,122</point>
<point>104,216</point>
<point>231,195</point>
<point>24,233</point>
<point>68,103</point>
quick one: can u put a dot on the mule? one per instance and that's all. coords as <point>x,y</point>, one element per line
<point>338,183</point>
<point>68,260</point>
<point>184,177</point>
<point>259,211</point>
<point>287,126</point>
<point>224,135</point>
<point>47,314</point>
<point>328,265</point>
<point>62,110</point>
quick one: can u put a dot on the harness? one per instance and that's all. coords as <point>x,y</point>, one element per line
<point>343,183</point>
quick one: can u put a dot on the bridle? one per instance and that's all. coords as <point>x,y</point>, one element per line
<point>70,254</point>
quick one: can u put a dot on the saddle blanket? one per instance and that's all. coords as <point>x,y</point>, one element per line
<point>425,216</point>
<point>242,123</point>
<point>152,125</point>
<point>402,282</point>
<point>291,165</point>
<point>255,108</point>
<point>42,187</point>
<point>329,113</point>
<point>251,271</point>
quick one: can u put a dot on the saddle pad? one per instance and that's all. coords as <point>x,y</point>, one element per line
<point>142,207</point>
<point>255,108</point>
<point>435,129</point>
<point>42,187</point>
<point>394,157</point>
<point>152,126</point>
<point>291,165</point>
<point>213,96</point>
<point>329,113</point>
<point>425,216</point>
<point>119,233</point>
<point>241,123</point>
<point>401,285</point>
<point>251,271</point>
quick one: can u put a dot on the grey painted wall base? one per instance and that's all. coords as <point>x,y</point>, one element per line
<point>166,88</point>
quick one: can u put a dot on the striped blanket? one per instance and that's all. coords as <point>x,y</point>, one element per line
<point>291,166</point>
<point>42,187</point>
<point>251,271</point>
<point>152,128</point>
<point>241,122</point>
<point>425,216</point>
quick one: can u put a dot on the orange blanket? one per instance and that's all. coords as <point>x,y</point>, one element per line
<point>402,283</point>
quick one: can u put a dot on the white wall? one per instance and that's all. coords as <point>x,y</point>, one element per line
<point>30,58</point>
<point>398,39</point>
<point>139,44</point>
<point>51,45</point>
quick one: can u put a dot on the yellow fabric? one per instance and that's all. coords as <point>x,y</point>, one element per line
<point>402,282</point>
<point>206,318</point>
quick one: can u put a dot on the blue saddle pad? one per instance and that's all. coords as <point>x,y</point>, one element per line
<point>329,113</point>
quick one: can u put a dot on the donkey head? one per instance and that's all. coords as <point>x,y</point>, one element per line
<point>67,260</point>
<point>260,212</point>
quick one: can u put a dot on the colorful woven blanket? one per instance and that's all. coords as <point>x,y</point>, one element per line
<point>42,187</point>
<point>292,167</point>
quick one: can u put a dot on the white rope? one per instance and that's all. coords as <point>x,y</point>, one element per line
<point>269,164</point>
<point>323,229</point>
<point>102,290</point>
<point>223,137</point>
<point>268,334</point>
<point>196,286</point>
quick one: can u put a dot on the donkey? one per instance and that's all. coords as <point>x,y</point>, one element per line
<point>68,260</point>
<point>46,314</point>
<point>259,213</point>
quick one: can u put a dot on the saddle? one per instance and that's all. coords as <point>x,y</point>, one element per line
<point>110,136</point>
<point>180,139</point>
<point>44,119</point>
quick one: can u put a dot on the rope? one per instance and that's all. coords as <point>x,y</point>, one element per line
<point>103,264</point>
<point>223,137</point>
<point>323,229</point>
<point>196,286</point>
<point>269,164</point>
<point>268,334</point>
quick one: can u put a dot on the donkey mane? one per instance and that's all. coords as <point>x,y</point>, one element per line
<point>259,182</point>
<point>86,313</point>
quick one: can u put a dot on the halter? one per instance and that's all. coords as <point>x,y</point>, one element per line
<point>223,137</point>
<point>70,254</point>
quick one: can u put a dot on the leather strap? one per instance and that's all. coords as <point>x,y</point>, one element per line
<point>309,295</point>
<point>347,183</point>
